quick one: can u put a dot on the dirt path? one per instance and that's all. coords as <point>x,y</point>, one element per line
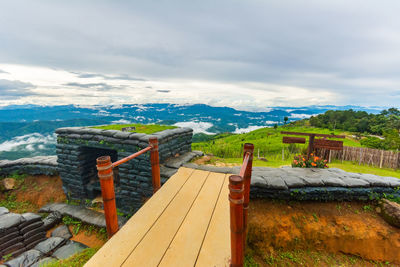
<point>339,227</point>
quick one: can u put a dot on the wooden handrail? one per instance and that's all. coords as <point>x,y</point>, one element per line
<point>106,176</point>
<point>236,211</point>
<point>135,155</point>
<point>239,197</point>
<point>314,134</point>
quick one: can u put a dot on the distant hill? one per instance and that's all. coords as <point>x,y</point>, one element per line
<point>28,130</point>
<point>267,141</point>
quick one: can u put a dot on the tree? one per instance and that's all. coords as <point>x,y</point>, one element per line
<point>285,119</point>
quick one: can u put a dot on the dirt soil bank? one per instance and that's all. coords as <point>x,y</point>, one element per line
<point>348,227</point>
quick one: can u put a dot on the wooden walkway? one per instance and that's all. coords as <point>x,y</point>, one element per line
<point>186,223</point>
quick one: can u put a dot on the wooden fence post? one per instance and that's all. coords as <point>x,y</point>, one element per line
<point>381,161</point>
<point>105,173</point>
<point>236,200</point>
<point>248,148</point>
<point>155,164</point>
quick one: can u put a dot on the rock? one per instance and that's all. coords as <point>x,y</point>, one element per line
<point>275,182</point>
<point>9,220</point>
<point>9,236</point>
<point>81,213</point>
<point>68,250</point>
<point>32,226</point>
<point>11,242</point>
<point>25,259</point>
<point>52,219</point>
<point>180,160</point>
<point>34,238</point>
<point>50,244</point>
<point>8,183</point>
<point>29,218</point>
<point>98,199</point>
<point>3,210</point>
<point>292,181</point>
<point>33,232</point>
<point>14,249</point>
<point>391,212</point>
<point>167,172</point>
<point>62,231</point>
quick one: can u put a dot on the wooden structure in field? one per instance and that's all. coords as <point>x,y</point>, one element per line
<point>197,218</point>
<point>321,143</point>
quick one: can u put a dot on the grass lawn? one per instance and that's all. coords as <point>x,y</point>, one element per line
<point>276,162</point>
<point>350,166</point>
<point>309,258</point>
<point>140,128</point>
<point>267,141</point>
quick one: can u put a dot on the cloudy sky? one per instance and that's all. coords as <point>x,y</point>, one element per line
<point>243,54</point>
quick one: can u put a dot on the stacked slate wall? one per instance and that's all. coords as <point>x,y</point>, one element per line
<point>78,148</point>
<point>46,165</point>
<point>19,232</point>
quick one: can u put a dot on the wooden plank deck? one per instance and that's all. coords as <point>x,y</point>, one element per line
<point>186,223</point>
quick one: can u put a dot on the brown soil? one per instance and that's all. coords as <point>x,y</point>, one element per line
<point>338,227</point>
<point>89,239</point>
<point>41,190</point>
<point>211,160</point>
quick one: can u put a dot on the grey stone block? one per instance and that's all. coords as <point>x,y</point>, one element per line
<point>68,250</point>
<point>353,182</point>
<point>293,181</point>
<point>50,244</point>
<point>275,182</point>
<point>313,181</point>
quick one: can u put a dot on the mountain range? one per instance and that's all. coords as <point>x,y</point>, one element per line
<point>28,130</point>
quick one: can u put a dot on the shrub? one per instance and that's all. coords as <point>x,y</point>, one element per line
<point>301,161</point>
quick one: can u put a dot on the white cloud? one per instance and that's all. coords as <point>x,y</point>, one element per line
<point>121,121</point>
<point>198,127</point>
<point>248,129</point>
<point>279,53</point>
<point>301,116</point>
<point>30,140</point>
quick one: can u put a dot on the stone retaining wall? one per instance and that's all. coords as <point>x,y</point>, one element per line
<point>78,148</point>
<point>46,165</point>
<point>19,232</point>
<point>313,184</point>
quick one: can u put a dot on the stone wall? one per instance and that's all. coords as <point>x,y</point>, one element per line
<point>78,148</point>
<point>313,184</point>
<point>46,165</point>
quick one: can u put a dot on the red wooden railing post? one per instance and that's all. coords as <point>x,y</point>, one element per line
<point>236,214</point>
<point>155,164</point>
<point>105,173</point>
<point>248,149</point>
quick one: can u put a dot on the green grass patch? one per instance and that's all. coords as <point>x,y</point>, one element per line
<point>267,142</point>
<point>10,202</point>
<point>78,226</point>
<point>350,166</point>
<point>308,258</point>
<point>76,260</point>
<point>140,128</point>
<point>275,161</point>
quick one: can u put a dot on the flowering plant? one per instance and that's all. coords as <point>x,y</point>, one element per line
<point>313,162</point>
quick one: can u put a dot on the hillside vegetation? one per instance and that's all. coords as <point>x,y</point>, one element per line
<point>139,128</point>
<point>385,124</point>
<point>267,141</point>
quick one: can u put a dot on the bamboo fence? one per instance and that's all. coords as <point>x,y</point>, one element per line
<point>366,156</point>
